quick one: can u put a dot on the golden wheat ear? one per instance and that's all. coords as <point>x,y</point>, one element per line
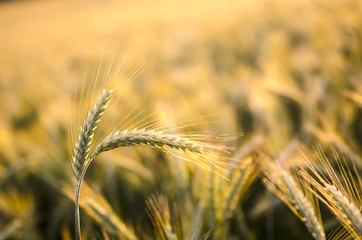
<point>281,182</point>
<point>339,189</point>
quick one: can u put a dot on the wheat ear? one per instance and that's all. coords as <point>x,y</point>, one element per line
<point>159,212</point>
<point>341,193</point>
<point>87,132</point>
<point>303,206</point>
<point>350,212</point>
<point>281,182</point>
<point>235,190</point>
<point>343,208</point>
<point>147,138</point>
<point>203,155</point>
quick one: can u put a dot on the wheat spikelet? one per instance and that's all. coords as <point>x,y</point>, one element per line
<point>87,133</point>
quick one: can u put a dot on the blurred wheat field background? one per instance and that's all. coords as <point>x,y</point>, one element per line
<point>286,74</point>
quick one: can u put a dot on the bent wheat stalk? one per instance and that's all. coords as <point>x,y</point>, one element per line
<point>135,137</point>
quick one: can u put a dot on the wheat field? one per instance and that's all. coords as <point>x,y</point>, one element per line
<point>202,119</point>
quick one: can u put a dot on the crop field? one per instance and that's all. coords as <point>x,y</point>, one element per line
<point>155,119</point>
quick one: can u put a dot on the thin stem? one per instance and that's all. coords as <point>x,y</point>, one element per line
<point>77,216</point>
<point>78,186</point>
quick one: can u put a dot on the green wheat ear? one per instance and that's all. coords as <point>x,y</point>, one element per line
<point>87,132</point>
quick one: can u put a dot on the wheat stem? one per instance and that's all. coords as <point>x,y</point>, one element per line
<point>77,216</point>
